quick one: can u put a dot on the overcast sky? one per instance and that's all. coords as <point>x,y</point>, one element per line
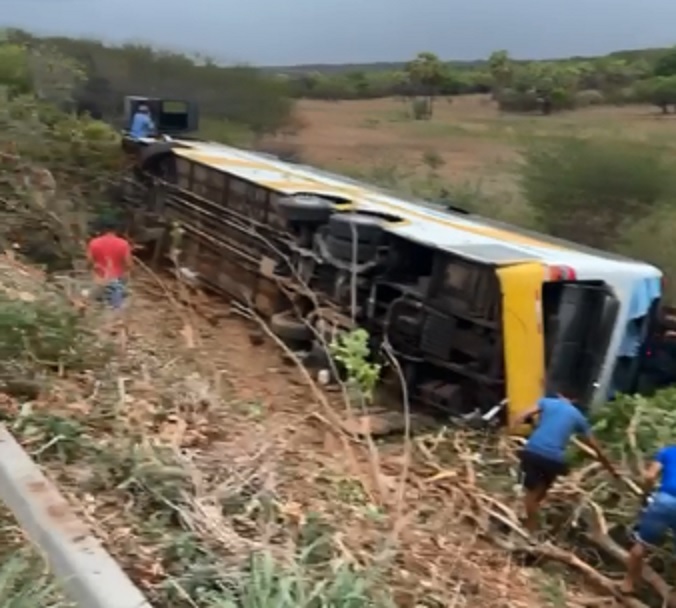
<point>285,32</point>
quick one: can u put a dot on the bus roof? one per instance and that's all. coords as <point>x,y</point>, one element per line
<point>488,240</point>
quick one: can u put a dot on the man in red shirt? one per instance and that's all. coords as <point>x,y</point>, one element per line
<point>110,256</point>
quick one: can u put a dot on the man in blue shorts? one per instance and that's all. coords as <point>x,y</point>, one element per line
<point>543,458</point>
<point>657,517</point>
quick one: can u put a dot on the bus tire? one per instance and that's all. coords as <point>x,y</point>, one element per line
<point>318,356</point>
<point>306,209</point>
<point>158,159</point>
<point>343,250</point>
<point>289,329</point>
<point>368,229</point>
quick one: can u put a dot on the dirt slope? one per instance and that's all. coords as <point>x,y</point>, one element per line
<point>247,431</point>
<point>317,471</point>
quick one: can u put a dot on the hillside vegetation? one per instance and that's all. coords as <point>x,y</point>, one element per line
<point>518,86</point>
<point>260,100</point>
<point>209,470</point>
<point>562,178</point>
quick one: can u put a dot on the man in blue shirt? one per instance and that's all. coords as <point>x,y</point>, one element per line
<point>543,458</point>
<point>142,124</point>
<point>657,517</point>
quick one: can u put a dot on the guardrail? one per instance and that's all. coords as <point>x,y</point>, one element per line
<point>86,572</point>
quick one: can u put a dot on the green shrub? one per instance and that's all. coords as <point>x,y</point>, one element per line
<point>651,238</point>
<point>511,100</point>
<point>590,97</point>
<point>65,144</point>
<point>23,584</point>
<point>588,190</point>
<point>45,330</point>
<point>561,99</point>
<point>660,91</point>
<point>270,584</point>
<point>421,108</point>
<point>625,95</point>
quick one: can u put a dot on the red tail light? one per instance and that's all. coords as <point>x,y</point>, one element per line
<point>562,273</point>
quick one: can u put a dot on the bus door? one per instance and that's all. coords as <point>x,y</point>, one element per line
<point>580,323</point>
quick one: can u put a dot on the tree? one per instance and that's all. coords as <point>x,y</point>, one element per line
<point>14,69</point>
<point>660,91</point>
<point>543,86</point>
<point>666,64</point>
<point>426,74</point>
<point>588,190</point>
<point>53,68</point>
<point>501,70</point>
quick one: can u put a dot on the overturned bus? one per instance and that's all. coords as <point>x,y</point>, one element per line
<point>476,312</point>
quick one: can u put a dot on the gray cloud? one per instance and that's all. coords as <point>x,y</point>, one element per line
<point>272,32</point>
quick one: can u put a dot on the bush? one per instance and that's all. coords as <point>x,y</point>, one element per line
<point>42,329</point>
<point>511,100</point>
<point>589,97</point>
<point>67,145</point>
<point>660,92</point>
<point>589,190</point>
<point>651,239</point>
<point>23,583</point>
<point>269,585</point>
<point>561,99</point>
<point>421,108</point>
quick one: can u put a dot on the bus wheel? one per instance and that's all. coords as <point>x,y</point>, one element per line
<point>343,250</point>
<point>289,329</point>
<point>305,209</point>
<point>366,228</point>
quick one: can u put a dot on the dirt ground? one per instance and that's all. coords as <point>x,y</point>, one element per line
<point>266,403</point>
<point>238,416</point>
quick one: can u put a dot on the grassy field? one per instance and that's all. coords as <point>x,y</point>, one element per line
<point>475,141</point>
<point>468,145</point>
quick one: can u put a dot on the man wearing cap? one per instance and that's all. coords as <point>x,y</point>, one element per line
<point>142,124</point>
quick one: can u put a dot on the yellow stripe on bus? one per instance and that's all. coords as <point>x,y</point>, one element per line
<point>222,163</point>
<point>218,162</point>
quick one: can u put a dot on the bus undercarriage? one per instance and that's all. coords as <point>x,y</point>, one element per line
<point>312,265</point>
<point>307,264</point>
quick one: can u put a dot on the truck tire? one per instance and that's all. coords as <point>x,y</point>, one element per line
<point>342,250</point>
<point>368,229</point>
<point>305,209</point>
<point>289,329</point>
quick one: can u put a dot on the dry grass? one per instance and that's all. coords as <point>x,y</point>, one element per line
<point>469,132</point>
<point>194,450</point>
<point>478,146</point>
